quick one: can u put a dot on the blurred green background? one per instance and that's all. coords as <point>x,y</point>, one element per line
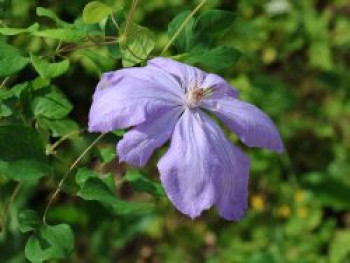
<point>295,65</point>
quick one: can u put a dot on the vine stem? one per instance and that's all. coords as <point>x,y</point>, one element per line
<point>52,147</point>
<point>76,162</point>
<point>130,16</point>
<point>8,204</point>
<point>182,26</point>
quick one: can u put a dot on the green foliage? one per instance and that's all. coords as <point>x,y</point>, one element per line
<point>51,103</point>
<point>24,170</point>
<point>184,41</point>
<point>95,11</point>
<point>62,34</point>
<point>49,70</point>
<point>339,249</point>
<point>139,44</point>
<point>290,58</point>
<point>143,184</point>
<point>16,31</point>
<point>217,58</point>
<point>196,42</point>
<point>50,242</point>
<point>11,60</point>
<point>28,220</point>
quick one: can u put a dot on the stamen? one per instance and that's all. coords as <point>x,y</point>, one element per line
<point>195,96</point>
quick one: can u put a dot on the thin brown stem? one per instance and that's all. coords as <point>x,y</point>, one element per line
<point>64,178</point>
<point>130,17</point>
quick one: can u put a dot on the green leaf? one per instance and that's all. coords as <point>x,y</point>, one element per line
<point>20,142</point>
<point>320,55</point>
<point>51,242</point>
<point>100,62</point>
<point>63,34</point>
<point>95,11</point>
<point>112,31</point>
<point>44,12</point>
<point>143,184</point>
<point>11,60</point>
<point>95,189</point>
<point>329,191</point>
<point>50,103</point>
<point>218,58</point>
<point>25,170</point>
<point>83,175</point>
<point>139,45</point>
<point>6,108</point>
<point>184,41</point>
<point>131,208</point>
<point>11,65</point>
<point>15,31</point>
<point>28,220</point>
<point>339,247</point>
<point>59,128</point>
<point>212,24</point>
<point>49,70</point>
<point>7,50</point>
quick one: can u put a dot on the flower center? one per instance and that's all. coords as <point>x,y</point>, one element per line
<point>195,97</point>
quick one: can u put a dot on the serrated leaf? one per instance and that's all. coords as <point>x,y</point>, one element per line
<point>15,31</point>
<point>11,65</point>
<point>184,41</point>
<point>83,175</point>
<point>63,34</point>
<point>94,189</point>
<point>211,24</point>
<point>25,170</point>
<point>59,128</point>
<point>51,242</point>
<point>50,103</point>
<point>49,70</point>
<point>95,11</point>
<point>112,31</point>
<point>143,184</point>
<point>20,142</point>
<point>139,45</point>
<point>28,220</point>
<point>217,59</point>
<point>11,60</point>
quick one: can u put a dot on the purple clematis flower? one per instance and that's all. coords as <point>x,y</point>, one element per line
<point>165,99</point>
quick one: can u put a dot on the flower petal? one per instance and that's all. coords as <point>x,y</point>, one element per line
<point>191,77</point>
<point>121,101</point>
<point>188,167</point>
<point>253,126</point>
<point>220,85</point>
<point>188,77</point>
<point>231,183</point>
<point>202,168</point>
<point>137,145</point>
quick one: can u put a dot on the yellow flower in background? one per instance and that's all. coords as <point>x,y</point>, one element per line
<point>284,211</point>
<point>299,196</point>
<point>257,202</point>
